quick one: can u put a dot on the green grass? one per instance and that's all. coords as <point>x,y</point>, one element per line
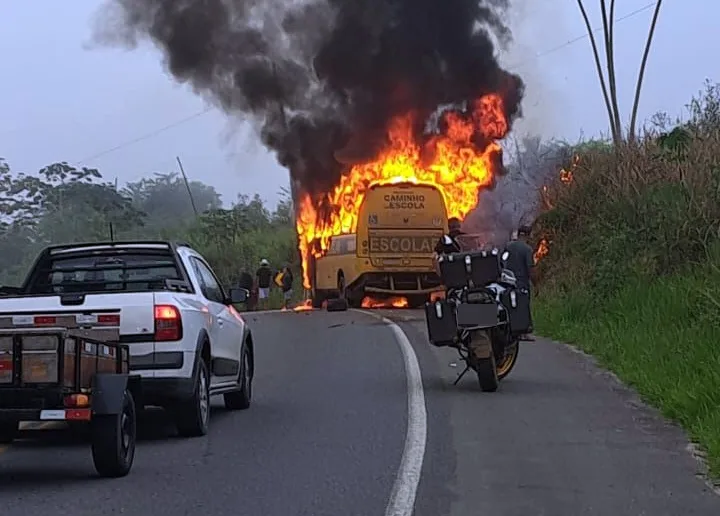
<point>660,337</point>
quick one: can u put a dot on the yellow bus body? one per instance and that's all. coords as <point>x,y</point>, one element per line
<point>391,254</point>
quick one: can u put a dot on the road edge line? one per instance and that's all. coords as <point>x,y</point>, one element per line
<point>404,492</point>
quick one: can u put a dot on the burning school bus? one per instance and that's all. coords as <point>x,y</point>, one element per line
<point>374,232</point>
<point>391,252</point>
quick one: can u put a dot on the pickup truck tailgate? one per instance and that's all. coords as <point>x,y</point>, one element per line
<point>135,311</point>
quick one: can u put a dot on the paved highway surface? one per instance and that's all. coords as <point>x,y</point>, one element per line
<point>331,433</point>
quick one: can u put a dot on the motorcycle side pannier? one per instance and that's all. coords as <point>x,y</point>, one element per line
<point>441,322</point>
<point>484,268</point>
<point>517,303</point>
<point>452,271</point>
<point>458,269</point>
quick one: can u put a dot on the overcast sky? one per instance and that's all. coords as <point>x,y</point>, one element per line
<point>106,108</point>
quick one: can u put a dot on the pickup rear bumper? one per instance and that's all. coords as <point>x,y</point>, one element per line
<point>166,376</point>
<point>166,391</point>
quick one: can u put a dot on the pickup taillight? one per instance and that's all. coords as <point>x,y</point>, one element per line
<point>168,323</point>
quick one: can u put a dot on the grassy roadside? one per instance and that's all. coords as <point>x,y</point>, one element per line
<point>661,337</point>
<point>632,274</point>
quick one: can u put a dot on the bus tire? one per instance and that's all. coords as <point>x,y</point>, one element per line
<point>337,305</point>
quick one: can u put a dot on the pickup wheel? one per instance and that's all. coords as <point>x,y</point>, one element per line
<point>113,440</point>
<point>192,417</point>
<point>241,398</point>
<point>8,431</point>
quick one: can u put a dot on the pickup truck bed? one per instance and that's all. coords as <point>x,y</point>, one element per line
<point>186,341</point>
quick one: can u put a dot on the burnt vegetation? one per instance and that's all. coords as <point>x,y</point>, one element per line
<point>641,210</point>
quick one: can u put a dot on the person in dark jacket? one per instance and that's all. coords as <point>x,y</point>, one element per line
<point>246,282</point>
<point>287,285</point>
<point>521,262</point>
<point>263,276</point>
<point>448,243</point>
<point>520,259</point>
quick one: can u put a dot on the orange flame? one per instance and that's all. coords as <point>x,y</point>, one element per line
<point>567,175</point>
<point>304,306</point>
<point>450,161</point>
<point>390,302</point>
<point>542,249</point>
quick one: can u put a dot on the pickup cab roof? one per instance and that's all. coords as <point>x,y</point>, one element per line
<point>72,255</point>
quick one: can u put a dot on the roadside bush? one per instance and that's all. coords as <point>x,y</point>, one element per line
<point>632,274</point>
<point>639,211</point>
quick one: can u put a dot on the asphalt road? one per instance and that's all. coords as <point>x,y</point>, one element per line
<point>326,436</point>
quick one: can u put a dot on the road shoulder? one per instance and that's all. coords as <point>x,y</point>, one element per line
<point>560,437</point>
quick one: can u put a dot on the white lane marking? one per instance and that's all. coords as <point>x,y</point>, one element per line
<point>402,497</point>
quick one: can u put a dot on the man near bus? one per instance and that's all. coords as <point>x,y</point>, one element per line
<point>263,277</point>
<point>286,285</point>
<point>448,243</point>
<point>521,261</point>
<point>246,282</point>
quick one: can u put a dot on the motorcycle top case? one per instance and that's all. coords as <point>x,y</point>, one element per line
<point>458,270</point>
<point>441,322</point>
<point>517,304</point>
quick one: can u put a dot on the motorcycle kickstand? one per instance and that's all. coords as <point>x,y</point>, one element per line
<point>466,359</point>
<point>467,368</point>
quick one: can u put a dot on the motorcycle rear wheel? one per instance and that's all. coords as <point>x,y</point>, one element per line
<point>508,362</point>
<point>486,368</point>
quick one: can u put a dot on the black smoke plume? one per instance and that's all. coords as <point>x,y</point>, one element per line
<point>323,78</point>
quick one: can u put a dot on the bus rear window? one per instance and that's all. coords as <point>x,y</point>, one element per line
<point>107,272</point>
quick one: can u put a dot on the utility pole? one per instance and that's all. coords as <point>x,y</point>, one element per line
<point>187,185</point>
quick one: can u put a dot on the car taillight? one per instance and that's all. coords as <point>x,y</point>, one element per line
<point>168,323</point>
<point>6,359</point>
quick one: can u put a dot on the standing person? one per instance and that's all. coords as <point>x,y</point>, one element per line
<point>521,260</point>
<point>448,243</point>
<point>263,276</point>
<point>287,284</point>
<point>246,282</point>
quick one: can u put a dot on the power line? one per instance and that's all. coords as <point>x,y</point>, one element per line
<point>584,36</point>
<point>207,110</point>
<point>144,137</point>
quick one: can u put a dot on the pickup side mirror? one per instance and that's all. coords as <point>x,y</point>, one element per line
<point>239,295</point>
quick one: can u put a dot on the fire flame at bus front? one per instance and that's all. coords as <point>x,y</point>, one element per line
<point>460,160</point>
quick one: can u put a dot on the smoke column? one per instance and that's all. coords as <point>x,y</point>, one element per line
<point>321,79</point>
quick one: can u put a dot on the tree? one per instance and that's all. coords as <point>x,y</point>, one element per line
<point>60,203</point>
<point>164,198</point>
<point>609,90</point>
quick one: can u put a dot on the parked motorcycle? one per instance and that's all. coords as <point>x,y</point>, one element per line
<point>484,314</point>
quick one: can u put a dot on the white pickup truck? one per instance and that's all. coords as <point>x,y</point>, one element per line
<point>186,339</point>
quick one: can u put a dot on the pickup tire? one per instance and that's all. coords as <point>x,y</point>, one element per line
<point>113,440</point>
<point>241,398</point>
<point>8,431</point>
<point>192,417</point>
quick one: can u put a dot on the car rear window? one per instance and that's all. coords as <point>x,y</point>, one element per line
<point>128,271</point>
